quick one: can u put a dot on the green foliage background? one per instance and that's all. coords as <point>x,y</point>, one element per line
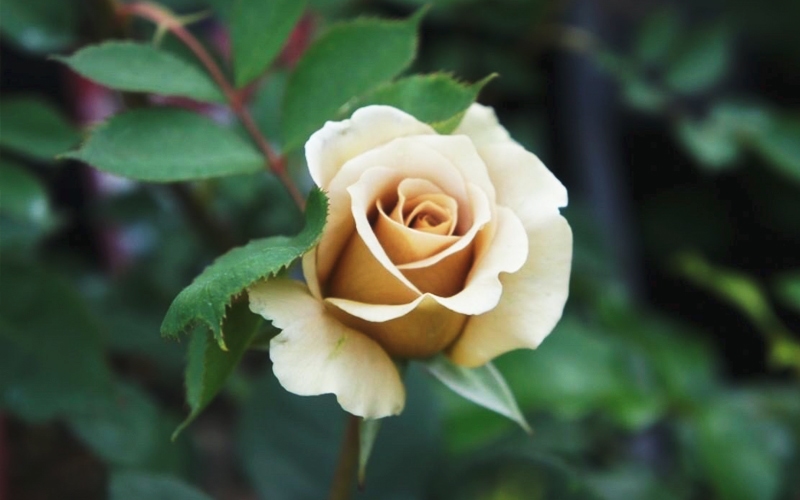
<point>679,384</point>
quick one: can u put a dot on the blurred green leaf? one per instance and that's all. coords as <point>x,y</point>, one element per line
<point>167,145</point>
<point>513,473</point>
<point>345,62</point>
<point>259,29</point>
<point>657,36</point>
<point>265,106</point>
<point>34,128</point>
<point>436,99</point>
<point>484,386</point>
<point>711,142</point>
<point>24,197</point>
<point>208,366</point>
<point>644,96</point>
<point>138,67</point>
<point>133,485</point>
<point>749,297</point>
<point>40,26</point>
<point>205,300</point>
<point>51,351</point>
<point>701,60</point>
<point>289,444</point>
<point>736,449</point>
<point>124,429</point>
<point>788,289</point>
<point>779,144</point>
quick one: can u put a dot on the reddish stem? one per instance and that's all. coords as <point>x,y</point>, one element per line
<point>162,17</point>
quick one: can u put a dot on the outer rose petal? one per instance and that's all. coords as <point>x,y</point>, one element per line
<point>532,302</point>
<point>316,354</point>
<point>481,125</point>
<point>337,142</point>
<point>523,183</point>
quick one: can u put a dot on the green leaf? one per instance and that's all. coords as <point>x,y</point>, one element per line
<point>347,61</point>
<point>133,485</point>
<point>735,448</point>
<point>701,61</point>
<point>123,430</point>
<point>484,386</point>
<point>657,36</point>
<point>436,99</point>
<point>367,433</point>
<point>24,198</point>
<point>40,25</point>
<point>779,144</point>
<point>51,356</point>
<point>167,145</point>
<point>788,289</point>
<point>34,128</point>
<point>289,444</point>
<point>712,143</point>
<point>259,29</point>
<point>205,300</point>
<point>208,366</point>
<point>137,67</point>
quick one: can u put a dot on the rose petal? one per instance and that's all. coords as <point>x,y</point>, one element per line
<point>409,159</point>
<point>532,302</point>
<point>480,124</point>
<point>462,153</point>
<point>363,193</point>
<point>316,354</point>
<point>425,329</point>
<point>402,243</point>
<point>523,183</point>
<point>337,142</point>
<point>506,251</point>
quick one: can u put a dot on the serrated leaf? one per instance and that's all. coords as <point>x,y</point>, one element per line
<point>779,144</point>
<point>205,300</point>
<point>436,99</point>
<point>208,366</point>
<point>137,67</point>
<point>34,128</point>
<point>484,386</point>
<point>259,29</point>
<point>701,61</point>
<point>136,485</point>
<point>167,145</point>
<point>40,25</point>
<point>347,61</point>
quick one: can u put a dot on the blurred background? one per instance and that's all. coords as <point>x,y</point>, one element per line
<point>675,126</point>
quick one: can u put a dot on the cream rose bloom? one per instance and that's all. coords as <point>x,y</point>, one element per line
<point>433,243</point>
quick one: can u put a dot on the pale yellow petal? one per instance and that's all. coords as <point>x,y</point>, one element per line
<point>480,124</point>
<point>504,251</point>
<point>523,183</point>
<point>337,142</point>
<point>462,153</point>
<point>532,302</point>
<point>423,331</point>
<point>316,354</point>
<point>408,159</point>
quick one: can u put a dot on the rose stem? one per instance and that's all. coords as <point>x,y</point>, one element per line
<point>342,484</point>
<point>274,162</point>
